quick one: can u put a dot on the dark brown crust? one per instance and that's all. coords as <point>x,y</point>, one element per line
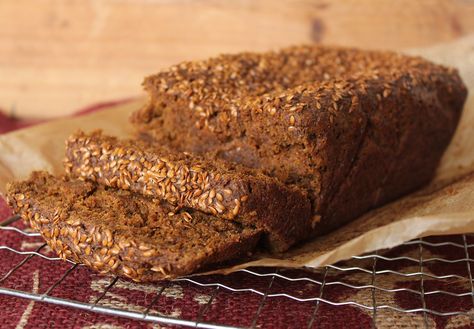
<point>355,128</point>
<point>63,211</point>
<point>214,187</point>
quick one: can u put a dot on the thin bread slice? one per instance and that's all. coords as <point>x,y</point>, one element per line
<point>117,231</point>
<point>224,190</point>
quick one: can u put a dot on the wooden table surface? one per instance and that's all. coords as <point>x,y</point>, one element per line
<point>57,56</point>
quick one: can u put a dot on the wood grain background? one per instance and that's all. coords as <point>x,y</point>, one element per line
<point>59,55</point>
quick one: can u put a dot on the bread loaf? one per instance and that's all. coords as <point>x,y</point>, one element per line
<point>354,128</point>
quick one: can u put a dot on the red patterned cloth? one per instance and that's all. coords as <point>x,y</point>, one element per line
<point>189,301</point>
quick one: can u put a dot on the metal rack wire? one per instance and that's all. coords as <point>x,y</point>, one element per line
<point>375,267</point>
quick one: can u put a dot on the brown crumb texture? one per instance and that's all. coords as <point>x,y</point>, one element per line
<point>355,128</point>
<point>225,190</point>
<point>119,232</point>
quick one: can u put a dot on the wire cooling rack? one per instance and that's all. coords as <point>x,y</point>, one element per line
<point>428,278</point>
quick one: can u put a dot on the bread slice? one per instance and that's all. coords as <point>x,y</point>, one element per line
<point>355,128</point>
<point>225,190</point>
<point>119,232</point>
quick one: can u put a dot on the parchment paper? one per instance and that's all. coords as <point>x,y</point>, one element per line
<point>444,207</point>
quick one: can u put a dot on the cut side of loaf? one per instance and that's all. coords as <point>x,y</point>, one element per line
<point>119,232</point>
<point>225,190</point>
<point>354,128</point>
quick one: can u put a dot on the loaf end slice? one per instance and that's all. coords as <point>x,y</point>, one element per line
<point>119,232</point>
